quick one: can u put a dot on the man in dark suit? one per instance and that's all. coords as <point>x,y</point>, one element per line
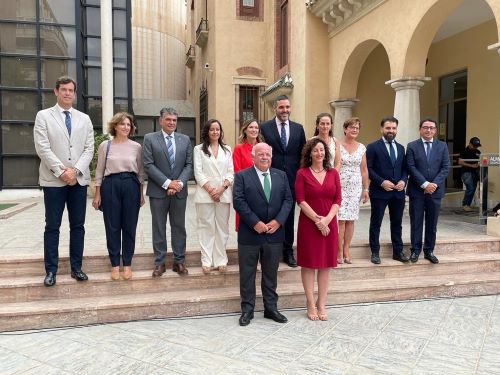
<point>64,141</point>
<point>168,162</point>
<point>387,171</point>
<point>428,164</point>
<point>262,197</point>
<point>287,138</point>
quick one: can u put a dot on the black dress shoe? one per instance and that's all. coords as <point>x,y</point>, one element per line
<point>50,279</point>
<point>290,261</point>
<point>431,258</point>
<point>79,275</point>
<point>245,318</point>
<point>414,257</point>
<point>401,258</point>
<point>375,259</point>
<point>275,315</point>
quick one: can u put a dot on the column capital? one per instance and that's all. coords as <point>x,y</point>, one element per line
<point>494,47</point>
<point>343,103</point>
<point>407,83</point>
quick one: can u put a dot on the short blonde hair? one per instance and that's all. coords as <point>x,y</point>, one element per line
<point>116,119</point>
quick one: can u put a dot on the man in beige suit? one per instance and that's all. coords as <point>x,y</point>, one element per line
<point>64,141</point>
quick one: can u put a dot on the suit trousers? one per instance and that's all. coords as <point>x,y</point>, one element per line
<point>396,208</point>
<point>120,201</point>
<point>75,199</point>
<point>213,232</point>
<point>175,209</point>
<point>289,229</point>
<point>248,257</point>
<point>421,207</point>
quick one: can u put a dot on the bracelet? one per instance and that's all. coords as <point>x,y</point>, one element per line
<point>366,190</point>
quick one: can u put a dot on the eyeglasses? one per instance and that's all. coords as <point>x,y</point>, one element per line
<point>428,128</point>
<point>355,128</point>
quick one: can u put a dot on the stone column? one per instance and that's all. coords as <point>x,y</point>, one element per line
<point>407,106</point>
<point>496,47</point>
<point>343,111</point>
<point>106,61</point>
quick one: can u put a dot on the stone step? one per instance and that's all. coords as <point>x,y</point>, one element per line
<point>31,288</point>
<point>97,262</point>
<point>127,307</point>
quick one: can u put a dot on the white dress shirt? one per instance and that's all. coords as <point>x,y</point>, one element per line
<point>287,128</point>
<point>261,177</point>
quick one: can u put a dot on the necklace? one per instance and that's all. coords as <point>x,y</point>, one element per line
<point>311,168</point>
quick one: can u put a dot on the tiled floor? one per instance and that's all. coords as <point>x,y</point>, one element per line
<point>444,336</point>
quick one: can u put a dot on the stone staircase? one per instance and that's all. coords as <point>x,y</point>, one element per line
<point>467,267</point>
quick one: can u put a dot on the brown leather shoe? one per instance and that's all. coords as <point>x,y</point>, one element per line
<point>180,268</point>
<point>159,270</point>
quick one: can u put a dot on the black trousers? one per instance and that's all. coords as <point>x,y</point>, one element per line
<point>120,201</point>
<point>248,257</point>
<point>75,199</point>
<point>424,209</point>
<point>289,229</point>
<point>396,209</point>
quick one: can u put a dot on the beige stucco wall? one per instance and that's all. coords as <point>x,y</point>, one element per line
<point>158,49</point>
<point>376,99</point>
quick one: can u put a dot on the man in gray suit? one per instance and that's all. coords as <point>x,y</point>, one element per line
<point>168,162</point>
<point>64,141</point>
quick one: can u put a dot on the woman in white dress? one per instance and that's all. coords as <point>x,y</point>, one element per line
<point>354,184</point>
<point>324,131</point>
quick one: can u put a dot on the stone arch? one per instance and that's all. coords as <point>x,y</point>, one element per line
<point>353,65</point>
<point>426,29</point>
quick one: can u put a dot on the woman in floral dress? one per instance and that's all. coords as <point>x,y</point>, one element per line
<point>354,185</point>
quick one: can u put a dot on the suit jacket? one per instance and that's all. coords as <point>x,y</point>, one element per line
<point>380,168</point>
<point>214,171</point>
<point>157,165</point>
<point>288,159</point>
<point>250,202</point>
<point>436,170</point>
<point>56,148</point>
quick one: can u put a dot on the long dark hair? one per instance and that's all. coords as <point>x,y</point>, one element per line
<point>205,139</point>
<point>306,160</point>
<point>318,119</point>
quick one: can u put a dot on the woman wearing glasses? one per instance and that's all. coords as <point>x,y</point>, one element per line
<point>354,185</point>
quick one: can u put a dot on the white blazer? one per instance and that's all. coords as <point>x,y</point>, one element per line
<point>56,148</point>
<point>214,171</point>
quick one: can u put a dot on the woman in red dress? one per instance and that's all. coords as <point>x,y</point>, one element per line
<point>317,190</point>
<point>242,153</point>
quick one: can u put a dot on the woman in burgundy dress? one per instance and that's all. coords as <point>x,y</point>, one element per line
<point>317,189</point>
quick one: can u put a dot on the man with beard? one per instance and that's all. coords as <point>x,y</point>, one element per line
<point>287,138</point>
<point>387,172</point>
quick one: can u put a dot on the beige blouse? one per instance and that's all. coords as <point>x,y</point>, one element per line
<point>122,157</point>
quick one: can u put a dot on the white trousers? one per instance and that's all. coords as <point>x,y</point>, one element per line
<point>213,232</point>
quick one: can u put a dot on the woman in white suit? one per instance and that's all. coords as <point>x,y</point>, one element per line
<point>214,173</point>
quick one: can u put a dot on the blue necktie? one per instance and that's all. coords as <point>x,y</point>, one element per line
<point>170,151</point>
<point>67,121</point>
<point>392,153</point>
<point>428,149</point>
<point>283,135</point>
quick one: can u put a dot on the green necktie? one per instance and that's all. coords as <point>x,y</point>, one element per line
<point>267,186</point>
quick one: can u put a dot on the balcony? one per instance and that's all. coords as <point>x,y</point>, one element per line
<point>190,57</point>
<point>202,33</point>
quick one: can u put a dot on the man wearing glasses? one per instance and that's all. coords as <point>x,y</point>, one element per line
<point>428,165</point>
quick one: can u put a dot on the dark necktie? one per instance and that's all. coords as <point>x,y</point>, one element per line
<point>267,186</point>
<point>67,121</point>
<point>283,135</point>
<point>170,151</point>
<point>392,153</point>
<point>428,149</point>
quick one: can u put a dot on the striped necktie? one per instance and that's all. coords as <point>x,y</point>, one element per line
<point>170,151</point>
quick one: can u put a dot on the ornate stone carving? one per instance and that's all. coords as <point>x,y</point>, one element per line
<point>338,14</point>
